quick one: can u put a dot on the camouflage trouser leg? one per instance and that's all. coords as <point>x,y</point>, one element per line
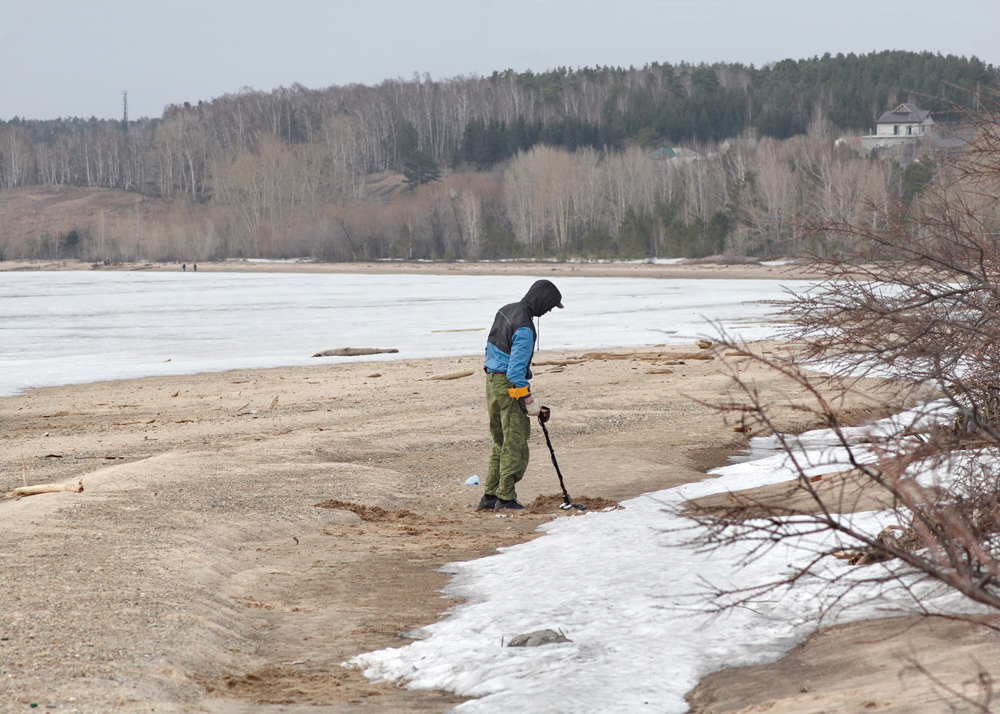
<point>510,427</point>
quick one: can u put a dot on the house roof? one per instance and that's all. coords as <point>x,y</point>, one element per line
<point>675,154</point>
<point>904,114</point>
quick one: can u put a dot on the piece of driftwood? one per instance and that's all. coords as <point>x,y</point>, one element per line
<point>354,352</point>
<point>453,375</point>
<point>23,491</point>
<point>647,357</point>
<point>558,362</point>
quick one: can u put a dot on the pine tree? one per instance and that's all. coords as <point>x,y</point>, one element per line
<point>419,168</point>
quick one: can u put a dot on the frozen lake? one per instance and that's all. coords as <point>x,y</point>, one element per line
<point>73,327</point>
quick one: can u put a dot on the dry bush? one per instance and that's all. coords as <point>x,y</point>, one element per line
<point>913,299</point>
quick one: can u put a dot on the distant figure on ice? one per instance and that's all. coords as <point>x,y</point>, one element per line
<point>184,267</point>
<point>509,348</point>
<point>196,267</point>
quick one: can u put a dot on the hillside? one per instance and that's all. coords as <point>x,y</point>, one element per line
<point>560,163</point>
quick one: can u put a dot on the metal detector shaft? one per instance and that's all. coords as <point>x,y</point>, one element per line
<point>543,417</point>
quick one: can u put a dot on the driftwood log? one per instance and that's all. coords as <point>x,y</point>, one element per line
<point>645,356</point>
<point>23,491</point>
<point>453,375</point>
<point>558,362</point>
<point>606,355</point>
<point>354,352</point>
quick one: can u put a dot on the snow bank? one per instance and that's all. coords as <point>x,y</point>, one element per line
<point>631,594</point>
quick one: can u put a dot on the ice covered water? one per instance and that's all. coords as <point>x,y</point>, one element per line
<point>72,327</point>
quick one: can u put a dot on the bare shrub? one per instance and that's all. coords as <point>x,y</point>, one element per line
<point>913,299</point>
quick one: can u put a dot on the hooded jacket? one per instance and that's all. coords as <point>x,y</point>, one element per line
<point>511,342</point>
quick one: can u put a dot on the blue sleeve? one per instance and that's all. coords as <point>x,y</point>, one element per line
<point>520,354</point>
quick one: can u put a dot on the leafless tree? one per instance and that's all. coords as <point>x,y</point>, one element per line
<point>911,299</point>
<point>15,157</point>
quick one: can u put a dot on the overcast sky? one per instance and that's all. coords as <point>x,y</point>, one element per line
<point>74,57</point>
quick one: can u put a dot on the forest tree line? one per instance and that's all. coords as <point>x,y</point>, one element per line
<point>512,164</point>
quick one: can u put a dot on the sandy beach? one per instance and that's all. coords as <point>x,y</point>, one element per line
<point>241,534</point>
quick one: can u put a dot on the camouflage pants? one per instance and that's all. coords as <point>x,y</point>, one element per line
<point>510,428</point>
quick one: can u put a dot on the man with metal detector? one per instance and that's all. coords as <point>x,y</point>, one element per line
<point>509,403</point>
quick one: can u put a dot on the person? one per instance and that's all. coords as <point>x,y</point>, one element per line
<point>184,268</point>
<point>509,401</point>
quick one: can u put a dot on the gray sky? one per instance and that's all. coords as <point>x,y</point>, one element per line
<point>74,57</point>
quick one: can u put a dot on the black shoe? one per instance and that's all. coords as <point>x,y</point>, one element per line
<point>487,502</point>
<point>511,505</point>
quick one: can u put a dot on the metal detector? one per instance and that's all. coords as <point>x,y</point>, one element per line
<point>543,416</point>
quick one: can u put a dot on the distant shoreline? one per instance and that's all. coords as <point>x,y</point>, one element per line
<point>677,271</point>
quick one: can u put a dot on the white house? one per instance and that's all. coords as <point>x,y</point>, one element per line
<point>906,131</point>
<point>904,120</point>
<point>900,130</point>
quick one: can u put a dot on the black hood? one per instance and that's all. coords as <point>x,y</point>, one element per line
<point>542,297</point>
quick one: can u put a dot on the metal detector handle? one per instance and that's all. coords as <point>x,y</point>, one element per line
<point>543,416</point>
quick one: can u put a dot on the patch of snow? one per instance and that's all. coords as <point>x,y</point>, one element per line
<point>631,593</point>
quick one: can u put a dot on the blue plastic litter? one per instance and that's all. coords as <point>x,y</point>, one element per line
<point>473,480</point>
